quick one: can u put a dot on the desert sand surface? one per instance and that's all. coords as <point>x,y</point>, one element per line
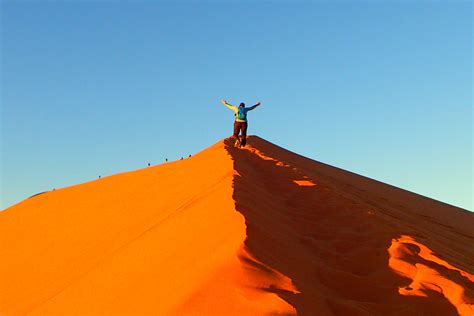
<point>254,231</point>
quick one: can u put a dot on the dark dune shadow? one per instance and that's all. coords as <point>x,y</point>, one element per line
<point>37,194</point>
<point>331,244</point>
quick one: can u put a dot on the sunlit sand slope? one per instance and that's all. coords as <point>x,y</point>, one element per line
<point>158,241</point>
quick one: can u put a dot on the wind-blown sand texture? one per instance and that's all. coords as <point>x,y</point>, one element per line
<point>255,231</point>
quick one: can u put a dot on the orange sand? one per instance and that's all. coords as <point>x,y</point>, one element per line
<point>258,231</point>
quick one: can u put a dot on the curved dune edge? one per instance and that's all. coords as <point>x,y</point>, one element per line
<point>254,231</point>
<point>428,272</point>
<point>239,287</point>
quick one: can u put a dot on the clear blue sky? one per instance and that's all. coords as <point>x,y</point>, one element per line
<point>95,88</point>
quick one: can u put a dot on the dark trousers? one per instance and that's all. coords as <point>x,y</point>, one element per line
<point>242,128</point>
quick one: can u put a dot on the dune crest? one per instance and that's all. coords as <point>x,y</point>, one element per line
<point>255,231</point>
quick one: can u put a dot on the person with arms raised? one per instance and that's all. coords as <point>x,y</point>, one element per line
<point>240,122</point>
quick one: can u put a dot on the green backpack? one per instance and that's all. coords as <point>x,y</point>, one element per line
<point>241,114</point>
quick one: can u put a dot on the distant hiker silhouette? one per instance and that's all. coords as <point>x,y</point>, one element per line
<point>240,123</point>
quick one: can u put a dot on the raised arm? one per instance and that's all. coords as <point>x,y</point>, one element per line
<point>228,105</point>
<point>253,106</point>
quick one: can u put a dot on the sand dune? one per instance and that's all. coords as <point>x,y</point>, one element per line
<point>258,231</point>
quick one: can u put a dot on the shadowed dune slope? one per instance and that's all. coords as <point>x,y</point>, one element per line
<point>255,231</point>
<point>352,245</point>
